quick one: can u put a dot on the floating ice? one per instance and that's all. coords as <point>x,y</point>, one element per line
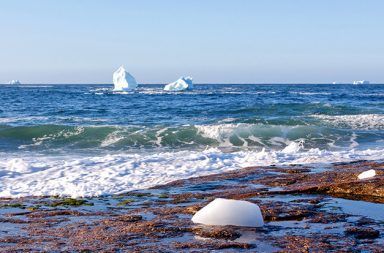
<point>361,82</point>
<point>367,174</point>
<point>183,83</point>
<point>15,82</point>
<point>123,80</point>
<point>222,212</point>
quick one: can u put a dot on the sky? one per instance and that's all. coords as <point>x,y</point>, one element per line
<point>214,41</point>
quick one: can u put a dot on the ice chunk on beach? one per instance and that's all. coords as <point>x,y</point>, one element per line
<point>367,174</point>
<point>222,212</point>
<point>16,82</point>
<point>183,83</point>
<point>123,80</point>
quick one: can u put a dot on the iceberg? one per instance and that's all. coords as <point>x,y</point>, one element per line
<point>222,212</point>
<point>361,82</point>
<point>367,174</point>
<point>15,82</point>
<point>183,83</point>
<point>122,80</point>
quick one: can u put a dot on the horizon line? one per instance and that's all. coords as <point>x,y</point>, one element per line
<point>218,83</point>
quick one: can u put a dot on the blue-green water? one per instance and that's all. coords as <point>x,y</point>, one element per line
<point>233,125</point>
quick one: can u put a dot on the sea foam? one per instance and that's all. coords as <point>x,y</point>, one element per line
<point>79,176</point>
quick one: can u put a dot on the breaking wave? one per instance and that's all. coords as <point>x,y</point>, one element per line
<point>235,135</point>
<point>360,121</point>
<point>79,176</point>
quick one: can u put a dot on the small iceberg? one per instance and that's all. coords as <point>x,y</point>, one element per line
<point>15,82</point>
<point>183,83</point>
<point>367,174</point>
<point>361,82</point>
<point>123,80</point>
<point>222,212</point>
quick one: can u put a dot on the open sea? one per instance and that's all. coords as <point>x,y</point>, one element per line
<point>85,140</point>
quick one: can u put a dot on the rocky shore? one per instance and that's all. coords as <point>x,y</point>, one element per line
<point>305,209</point>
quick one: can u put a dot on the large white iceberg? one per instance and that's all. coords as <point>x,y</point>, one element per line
<point>16,82</point>
<point>222,212</point>
<point>123,80</point>
<point>183,83</point>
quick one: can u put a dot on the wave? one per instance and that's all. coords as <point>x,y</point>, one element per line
<point>360,121</point>
<point>233,135</point>
<point>309,93</point>
<point>78,176</point>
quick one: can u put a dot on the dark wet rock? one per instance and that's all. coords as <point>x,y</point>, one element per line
<point>211,245</point>
<point>50,213</point>
<point>362,232</point>
<point>280,211</point>
<point>326,218</point>
<point>129,218</point>
<point>226,233</point>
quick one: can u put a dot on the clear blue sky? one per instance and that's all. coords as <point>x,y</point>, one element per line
<point>216,41</point>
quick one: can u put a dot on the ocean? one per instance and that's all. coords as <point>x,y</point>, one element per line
<point>85,140</point>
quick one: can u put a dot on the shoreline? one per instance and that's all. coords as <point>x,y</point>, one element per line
<point>304,208</point>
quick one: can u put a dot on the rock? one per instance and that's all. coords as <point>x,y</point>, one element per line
<point>367,174</point>
<point>222,212</point>
<point>183,83</point>
<point>123,80</point>
<point>362,233</point>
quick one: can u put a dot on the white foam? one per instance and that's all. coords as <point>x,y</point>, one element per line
<point>47,137</point>
<point>360,121</point>
<point>293,147</point>
<point>111,139</point>
<point>310,93</point>
<point>78,176</point>
<point>18,165</point>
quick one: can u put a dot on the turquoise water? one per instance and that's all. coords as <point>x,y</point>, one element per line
<point>85,140</point>
<point>85,118</point>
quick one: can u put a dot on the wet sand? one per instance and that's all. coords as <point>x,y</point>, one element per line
<point>318,209</point>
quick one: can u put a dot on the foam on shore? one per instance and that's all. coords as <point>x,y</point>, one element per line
<point>79,176</point>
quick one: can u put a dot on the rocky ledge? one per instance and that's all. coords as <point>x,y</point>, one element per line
<point>305,209</point>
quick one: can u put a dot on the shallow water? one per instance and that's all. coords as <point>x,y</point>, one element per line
<point>85,140</point>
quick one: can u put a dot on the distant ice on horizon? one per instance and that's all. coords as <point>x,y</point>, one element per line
<point>361,82</point>
<point>183,83</point>
<point>14,82</point>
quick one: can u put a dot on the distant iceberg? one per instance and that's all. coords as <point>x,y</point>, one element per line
<point>14,82</point>
<point>361,82</point>
<point>183,83</point>
<point>123,80</point>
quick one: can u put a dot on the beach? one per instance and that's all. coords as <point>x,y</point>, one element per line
<point>304,208</point>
